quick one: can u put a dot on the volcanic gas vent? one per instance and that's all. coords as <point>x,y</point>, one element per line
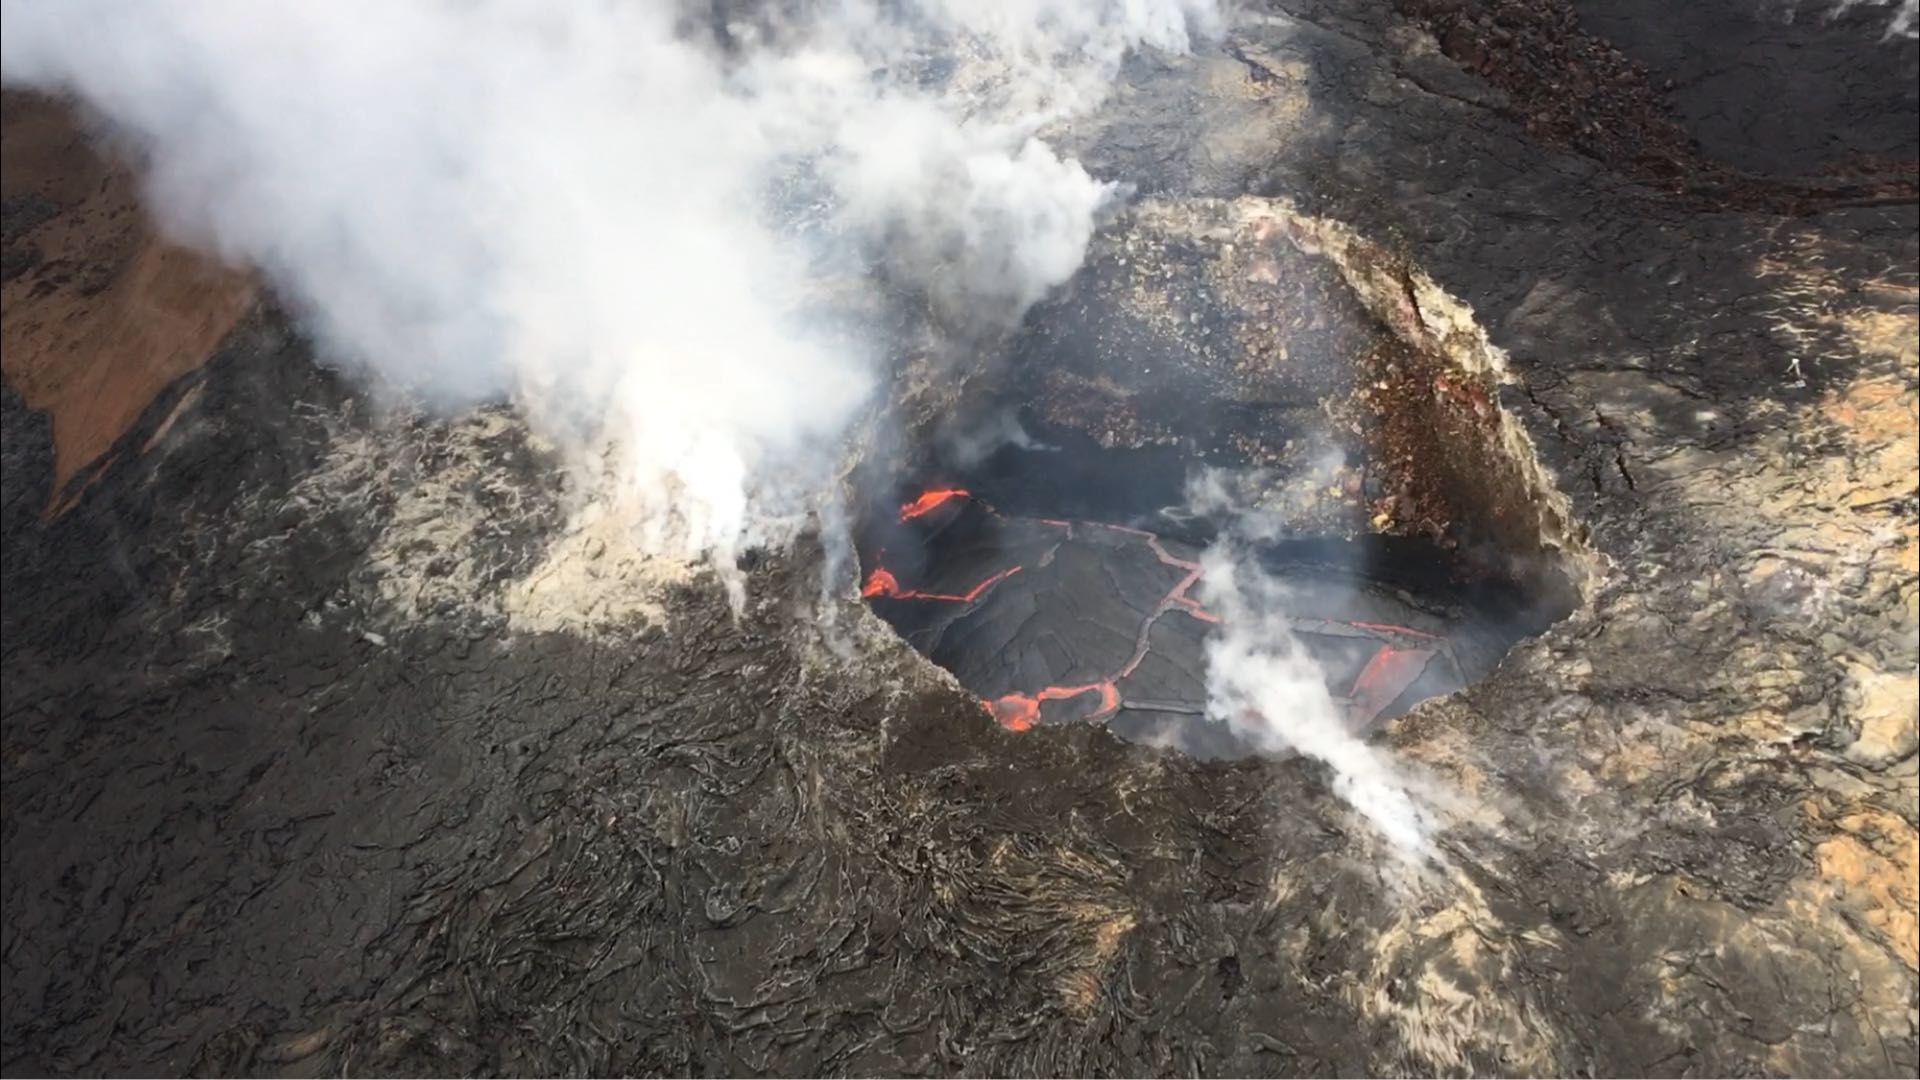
<point>1222,376</point>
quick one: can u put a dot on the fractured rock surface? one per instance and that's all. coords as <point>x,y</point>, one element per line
<point>1053,621</point>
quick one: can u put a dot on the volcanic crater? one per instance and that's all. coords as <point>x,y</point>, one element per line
<point>284,797</point>
<point>1322,407</point>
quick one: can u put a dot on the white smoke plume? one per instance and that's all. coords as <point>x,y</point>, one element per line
<point>1264,685</point>
<point>1903,22</point>
<point>1262,504</point>
<point>615,213</point>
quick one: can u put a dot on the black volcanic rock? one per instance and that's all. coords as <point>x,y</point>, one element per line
<point>276,803</point>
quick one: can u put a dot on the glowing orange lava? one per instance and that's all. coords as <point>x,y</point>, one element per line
<point>882,583</point>
<point>1387,673</point>
<point>929,500</point>
<point>1017,712</point>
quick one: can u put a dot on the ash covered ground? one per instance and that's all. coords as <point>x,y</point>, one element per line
<point>333,740</point>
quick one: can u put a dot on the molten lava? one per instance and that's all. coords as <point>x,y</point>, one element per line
<point>930,500</point>
<point>1017,712</point>
<point>882,583</point>
<point>1387,674</point>
<point>1401,654</point>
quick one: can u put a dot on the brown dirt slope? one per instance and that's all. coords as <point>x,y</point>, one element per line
<point>100,311</point>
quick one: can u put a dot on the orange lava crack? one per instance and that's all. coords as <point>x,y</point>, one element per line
<point>930,500</point>
<point>882,583</point>
<point>1018,712</point>
<point>1386,675</point>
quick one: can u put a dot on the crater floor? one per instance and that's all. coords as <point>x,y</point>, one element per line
<point>1057,621</point>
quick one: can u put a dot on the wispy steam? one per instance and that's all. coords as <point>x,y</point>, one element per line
<point>614,213</point>
<point>1262,683</point>
<point>1903,22</point>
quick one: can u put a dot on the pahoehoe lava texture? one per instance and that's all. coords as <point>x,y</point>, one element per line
<point>260,820</point>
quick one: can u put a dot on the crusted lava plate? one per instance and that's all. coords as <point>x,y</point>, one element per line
<point>1051,620</point>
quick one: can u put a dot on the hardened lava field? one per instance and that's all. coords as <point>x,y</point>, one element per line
<point>1056,620</point>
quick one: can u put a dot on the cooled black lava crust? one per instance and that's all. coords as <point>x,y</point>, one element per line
<point>1052,620</point>
<point>254,822</point>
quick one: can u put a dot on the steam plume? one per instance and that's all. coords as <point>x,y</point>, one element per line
<point>1903,22</point>
<point>1263,683</point>
<point>614,213</point>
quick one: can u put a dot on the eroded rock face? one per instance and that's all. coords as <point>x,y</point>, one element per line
<point>260,818</point>
<point>103,314</point>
